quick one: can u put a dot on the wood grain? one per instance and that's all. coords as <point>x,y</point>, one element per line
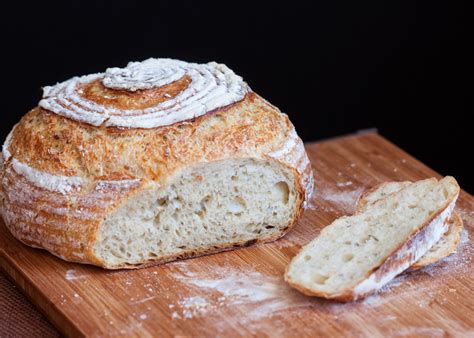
<point>242,293</point>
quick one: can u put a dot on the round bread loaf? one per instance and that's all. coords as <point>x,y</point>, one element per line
<point>153,162</point>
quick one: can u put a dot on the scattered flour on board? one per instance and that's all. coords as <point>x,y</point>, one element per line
<point>192,306</point>
<point>283,243</point>
<point>264,295</point>
<point>234,291</point>
<point>341,197</point>
<point>288,241</point>
<point>143,300</point>
<point>224,287</point>
<point>72,275</point>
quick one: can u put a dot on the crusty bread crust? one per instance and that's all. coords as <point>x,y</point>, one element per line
<point>397,261</point>
<point>454,231</point>
<point>66,224</point>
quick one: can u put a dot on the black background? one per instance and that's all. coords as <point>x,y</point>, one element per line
<point>333,67</point>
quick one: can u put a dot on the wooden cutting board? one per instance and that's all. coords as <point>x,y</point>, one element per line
<point>242,293</point>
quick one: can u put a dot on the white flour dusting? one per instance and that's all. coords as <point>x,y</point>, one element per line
<point>341,197</point>
<point>346,199</point>
<point>143,300</point>
<point>192,306</point>
<point>460,261</point>
<point>239,288</point>
<point>72,275</point>
<point>222,290</point>
<point>212,86</point>
<point>226,287</point>
<point>285,242</point>
<point>58,183</point>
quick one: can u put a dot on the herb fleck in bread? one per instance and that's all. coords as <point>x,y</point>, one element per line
<point>356,255</point>
<point>443,248</point>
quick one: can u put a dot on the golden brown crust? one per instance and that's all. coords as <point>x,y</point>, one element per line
<point>58,145</point>
<point>67,224</point>
<point>96,92</point>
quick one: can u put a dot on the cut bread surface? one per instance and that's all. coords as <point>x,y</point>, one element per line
<point>203,208</point>
<point>379,192</point>
<point>447,243</point>
<point>357,255</point>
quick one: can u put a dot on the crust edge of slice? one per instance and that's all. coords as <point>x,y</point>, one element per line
<point>455,226</point>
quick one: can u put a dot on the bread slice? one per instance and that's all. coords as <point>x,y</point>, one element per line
<point>443,248</point>
<point>356,255</point>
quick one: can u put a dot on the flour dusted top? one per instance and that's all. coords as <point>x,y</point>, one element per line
<point>210,86</point>
<point>148,74</point>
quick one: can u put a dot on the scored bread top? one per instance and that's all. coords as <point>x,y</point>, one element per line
<point>147,94</point>
<point>241,124</point>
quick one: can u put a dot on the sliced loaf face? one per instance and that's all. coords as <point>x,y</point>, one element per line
<point>203,209</point>
<point>357,255</point>
<point>443,248</point>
